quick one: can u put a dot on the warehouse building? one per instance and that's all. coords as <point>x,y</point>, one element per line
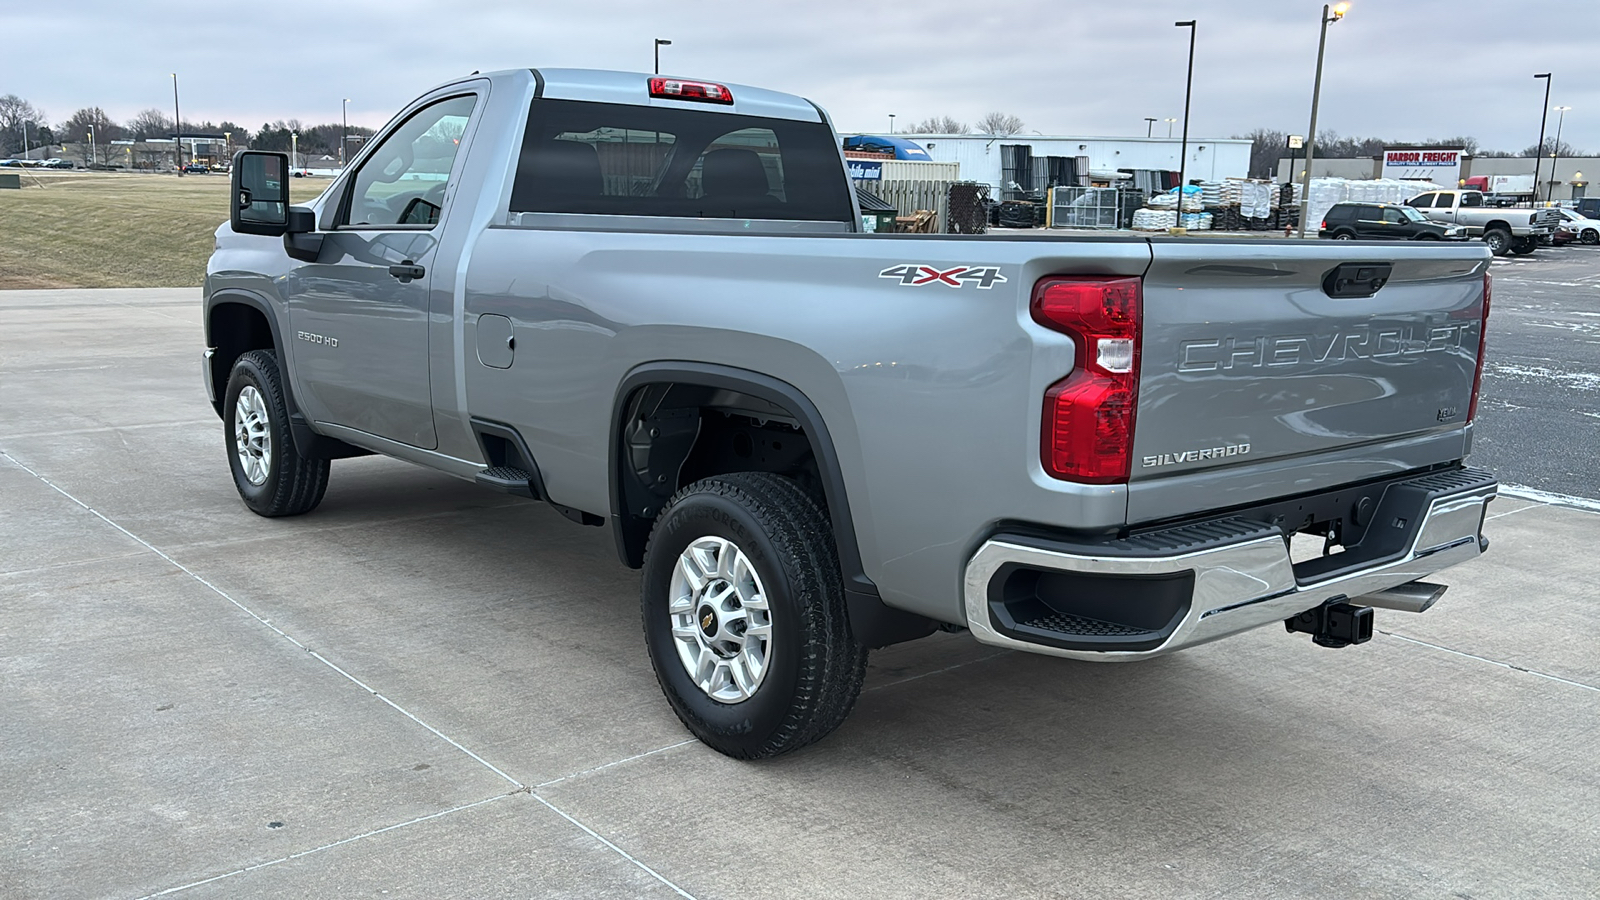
<point>1013,166</point>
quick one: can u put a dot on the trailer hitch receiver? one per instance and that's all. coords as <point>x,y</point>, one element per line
<point>1334,624</point>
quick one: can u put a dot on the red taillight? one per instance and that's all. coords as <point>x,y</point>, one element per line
<point>1483,344</point>
<point>1087,433</point>
<point>678,89</point>
<point>1324,224</point>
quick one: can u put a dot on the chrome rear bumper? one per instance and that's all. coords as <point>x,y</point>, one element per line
<point>1237,585</point>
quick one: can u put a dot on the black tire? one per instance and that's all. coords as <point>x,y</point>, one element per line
<point>1427,237</point>
<point>1344,236</point>
<point>814,666</point>
<point>292,484</point>
<point>1499,241</point>
<point>1590,236</point>
<point>1524,246</point>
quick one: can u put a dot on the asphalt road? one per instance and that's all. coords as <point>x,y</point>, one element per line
<point>425,689</point>
<point>1539,413</point>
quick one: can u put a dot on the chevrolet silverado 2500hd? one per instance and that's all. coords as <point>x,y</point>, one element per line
<point>649,303</point>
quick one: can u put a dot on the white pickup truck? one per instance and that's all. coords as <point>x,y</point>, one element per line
<point>1514,230</point>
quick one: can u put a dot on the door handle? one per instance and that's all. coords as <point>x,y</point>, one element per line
<point>407,271</point>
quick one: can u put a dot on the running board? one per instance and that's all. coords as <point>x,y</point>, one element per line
<point>508,480</point>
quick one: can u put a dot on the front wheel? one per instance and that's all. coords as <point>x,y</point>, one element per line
<point>272,477</point>
<point>1590,236</point>
<point>744,616</point>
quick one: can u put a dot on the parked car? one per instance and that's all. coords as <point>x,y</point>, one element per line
<point>1586,229</point>
<point>1093,448</point>
<point>1355,220</point>
<point>196,169</point>
<point>56,163</point>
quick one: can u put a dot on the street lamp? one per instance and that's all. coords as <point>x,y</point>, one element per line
<point>1555,152</point>
<point>1337,13</point>
<point>659,44</point>
<point>1538,151</point>
<point>1183,154</point>
<point>227,146</point>
<point>91,146</point>
<point>177,127</point>
<point>294,149</point>
<point>1149,123</point>
<point>344,135</point>
<point>1169,126</point>
<point>25,139</point>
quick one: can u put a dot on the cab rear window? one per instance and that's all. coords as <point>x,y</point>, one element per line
<point>618,159</point>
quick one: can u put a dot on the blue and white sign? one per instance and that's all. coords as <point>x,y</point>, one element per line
<point>865,169</point>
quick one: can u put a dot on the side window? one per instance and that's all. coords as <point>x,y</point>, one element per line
<point>1422,202</point>
<point>1469,199</point>
<point>1371,214</point>
<point>1392,217</point>
<point>403,181</point>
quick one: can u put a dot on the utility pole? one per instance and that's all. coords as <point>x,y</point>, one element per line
<point>659,44</point>
<point>1183,154</point>
<point>24,138</point>
<point>344,136</point>
<point>1316,94</point>
<point>1149,123</point>
<point>177,126</point>
<point>1555,152</point>
<point>1538,152</point>
<point>91,146</point>
<point>294,149</point>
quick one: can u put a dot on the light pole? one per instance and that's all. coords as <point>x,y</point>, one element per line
<point>1555,152</point>
<point>294,149</point>
<point>91,146</point>
<point>227,146</point>
<point>1149,123</point>
<point>344,136</point>
<point>1169,126</point>
<point>1316,94</point>
<point>659,44</point>
<point>24,138</point>
<point>177,127</point>
<point>1538,151</point>
<point>891,123</point>
<point>1183,153</point>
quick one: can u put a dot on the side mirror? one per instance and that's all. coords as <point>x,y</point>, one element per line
<point>259,200</point>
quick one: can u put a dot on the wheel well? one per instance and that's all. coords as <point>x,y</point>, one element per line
<point>1496,225</point>
<point>234,329</point>
<point>674,434</point>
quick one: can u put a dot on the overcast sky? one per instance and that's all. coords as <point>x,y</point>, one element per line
<point>1398,69</point>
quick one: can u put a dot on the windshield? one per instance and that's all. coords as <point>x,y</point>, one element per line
<point>1412,214</point>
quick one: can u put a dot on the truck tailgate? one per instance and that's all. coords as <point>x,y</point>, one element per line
<point>1256,383</point>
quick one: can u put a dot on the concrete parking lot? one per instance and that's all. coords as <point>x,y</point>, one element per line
<point>428,689</point>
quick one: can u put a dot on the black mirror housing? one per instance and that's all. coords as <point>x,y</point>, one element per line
<point>259,200</point>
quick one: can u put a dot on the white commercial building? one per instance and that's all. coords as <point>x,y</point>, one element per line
<point>991,159</point>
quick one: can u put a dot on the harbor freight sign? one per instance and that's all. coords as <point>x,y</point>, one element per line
<point>1440,166</point>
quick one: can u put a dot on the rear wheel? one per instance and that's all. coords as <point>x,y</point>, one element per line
<point>272,477</point>
<point>1499,241</point>
<point>744,616</point>
<point>1590,236</point>
<point>1344,236</point>
<point>1524,246</point>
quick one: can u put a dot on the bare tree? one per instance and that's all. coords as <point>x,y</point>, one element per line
<point>1267,146</point>
<point>997,123</point>
<point>14,112</point>
<point>149,123</point>
<point>77,128</point>
<point>1563,149</point>
<point>939,125</point>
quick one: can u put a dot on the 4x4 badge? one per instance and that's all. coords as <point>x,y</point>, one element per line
<point>915,275</point>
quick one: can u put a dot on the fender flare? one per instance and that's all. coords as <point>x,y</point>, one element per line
<point>873,623</point>
<point>307,441</point>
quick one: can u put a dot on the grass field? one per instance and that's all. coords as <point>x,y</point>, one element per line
<point>114,230</point>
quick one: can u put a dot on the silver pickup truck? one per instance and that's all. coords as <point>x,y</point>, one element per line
<point>650,303</point>
<point>1505,230</point>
